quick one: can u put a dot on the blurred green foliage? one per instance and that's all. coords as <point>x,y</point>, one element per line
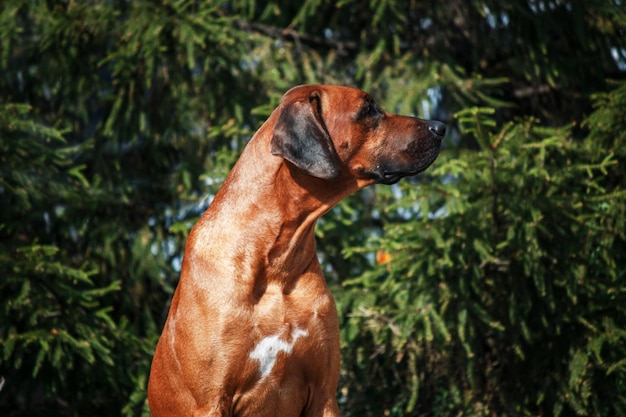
<point>492,285</point>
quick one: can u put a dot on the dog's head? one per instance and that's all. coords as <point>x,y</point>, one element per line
<point>330,131</point>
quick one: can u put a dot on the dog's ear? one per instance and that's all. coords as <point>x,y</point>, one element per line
<point>302,139</point>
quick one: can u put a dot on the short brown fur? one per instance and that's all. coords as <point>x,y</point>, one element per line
<point>250,269</point>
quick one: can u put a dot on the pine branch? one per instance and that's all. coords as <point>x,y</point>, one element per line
<point>342,47</point>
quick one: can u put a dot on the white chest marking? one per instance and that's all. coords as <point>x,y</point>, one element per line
<point>268,348</point>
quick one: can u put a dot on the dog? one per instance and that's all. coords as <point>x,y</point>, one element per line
<point>253,329</point>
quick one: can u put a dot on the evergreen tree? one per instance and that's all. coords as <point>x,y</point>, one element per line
<point>490,285</point>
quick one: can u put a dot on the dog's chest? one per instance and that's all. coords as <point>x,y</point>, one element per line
<point>269,348</point>
<point>283,365</point>
<point>287,334</point>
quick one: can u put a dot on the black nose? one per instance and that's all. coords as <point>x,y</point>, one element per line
<point>437,128</point>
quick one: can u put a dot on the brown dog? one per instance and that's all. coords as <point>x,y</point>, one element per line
<point>253,329</point>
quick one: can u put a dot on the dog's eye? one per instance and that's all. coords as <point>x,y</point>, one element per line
<point>371,110</point>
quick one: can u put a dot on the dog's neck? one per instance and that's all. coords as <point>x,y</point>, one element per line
<point>279,199</point>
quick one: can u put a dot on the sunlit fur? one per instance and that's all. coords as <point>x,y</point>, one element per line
<point>253,329</point>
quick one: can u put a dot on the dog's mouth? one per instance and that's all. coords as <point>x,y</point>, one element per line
<point>415,158</point>
<point>389,178</point>
<point>392,174</point>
